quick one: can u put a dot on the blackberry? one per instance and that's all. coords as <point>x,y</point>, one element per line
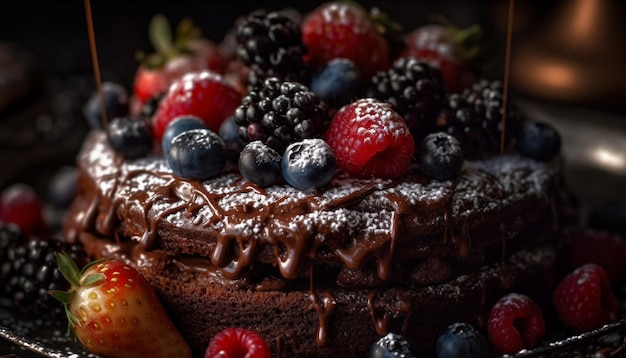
<point>278,113</point>
<point>30,270</point>
<point>415,90</point>
<point>10,235</point>
<point>474,117</point>
<point>270,44</point>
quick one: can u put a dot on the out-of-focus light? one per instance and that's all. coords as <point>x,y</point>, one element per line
<point>556,75</point>
<point>609,158</point>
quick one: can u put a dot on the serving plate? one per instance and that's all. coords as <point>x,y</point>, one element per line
<point>594,150</point>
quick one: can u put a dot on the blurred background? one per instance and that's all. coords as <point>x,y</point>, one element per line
<point>567,63</point>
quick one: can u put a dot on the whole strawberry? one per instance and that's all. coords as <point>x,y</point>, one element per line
<point>345,30</point>
<point>173,58</point>
<point>454,51</point>
<point>370,139</point>
<point>114,312</point>
<point>204,94</point>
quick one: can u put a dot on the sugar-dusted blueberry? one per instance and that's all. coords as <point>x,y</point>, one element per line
<point>259,163</point>
<point>461,340</point>
<point>538,140</point>
<point>308,164</point>
<point>177,126</point>
<point>337,83</point>
<point>197,154</point>
<point>116,104</point>
<point>440,156</point>
<point>130,137</point>
<point>391,346</point>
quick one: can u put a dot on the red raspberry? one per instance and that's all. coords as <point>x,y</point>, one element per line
<point>203,94</point>
<point>237,343</point>
<point>344,30</point>
<point>584,299</point>
<point>20,205</point>
<point>602,248</point>
<point>516,322</point>
<point>370,139</point>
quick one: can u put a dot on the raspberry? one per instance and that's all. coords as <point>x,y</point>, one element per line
<point>237,343</point>
<point>370,139</point>
<point>516,322</point>
<point>21,205</point>
<point>584,299</point>
<point>602,248</point>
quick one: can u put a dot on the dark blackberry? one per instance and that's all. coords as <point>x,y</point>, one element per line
<point>474,117</point>
<point>32,271</point>
<point>415,90</point>
<point>281,112</point>
<point>10,236</point>
<point>270,44</point>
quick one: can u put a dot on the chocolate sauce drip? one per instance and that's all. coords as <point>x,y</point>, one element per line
<point>323,304</point>
<point>381,324</point>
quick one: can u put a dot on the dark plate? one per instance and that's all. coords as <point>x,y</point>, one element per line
<point>595,154</point>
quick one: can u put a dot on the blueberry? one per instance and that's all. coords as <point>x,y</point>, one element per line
<point>337,83</point>
<point>63,187</point>
<point>130,137</point>
<point>116,104</point>
<point>308,164</point>
<point>259,163</point>
<point>440,156</point>
<point>229,131</point>
<point>197,154</point>
<point>177,126</point>
<point>461,340</point>
<point>391,346</point>
<point>538,140</point>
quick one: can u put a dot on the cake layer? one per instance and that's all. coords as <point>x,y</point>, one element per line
<point>353,223</point>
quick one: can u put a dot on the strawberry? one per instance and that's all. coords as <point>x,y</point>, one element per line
<point>345,30</point>
<point>204,94</point>
<point>114,312</point>
<point>237,343</point>
<point>370,139</point>
<point>173,59</point>
<point>454,51</point>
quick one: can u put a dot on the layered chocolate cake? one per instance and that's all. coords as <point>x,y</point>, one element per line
<point>409,240</point>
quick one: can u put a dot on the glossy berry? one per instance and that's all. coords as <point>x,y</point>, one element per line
<point>391,346</point>
<point>63,187</point>
<point>584,299</point>
<point>370,139</point>
<point>197,154</point>
<point>116,104</point>
<point>177,126</point>
<point>515,322</point>
<point>604,248</point>
<point>259,163</point>
<point>440,156</point>
<point>309,164</point>
<point>280,112</point>
<point>338,82</point>
<point>538,140</point>
<point>21,205</point>
<point>203,94</point>
<point>461,340</point>
<point>237,343</point>
<point>10,236</point>
<point>130,137</point>
<point>229,132</point>
<point>31,271</point>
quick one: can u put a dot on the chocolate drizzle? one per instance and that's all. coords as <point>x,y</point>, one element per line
<point>323,304</point>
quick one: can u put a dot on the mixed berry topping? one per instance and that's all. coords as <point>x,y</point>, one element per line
<point>177,126</point>
<point>278,113</point>
<point>309,164</point>
<point>197,154</point>
<point>237,343</point>
<point>538,140</point>
<point>440,156</point>
<point>260,164</point>
<point>22,206</point>
<point>414,89</point>
<point>370,139</point>
<point>116,104</point>
<point>461,340</point>
<point>584,299</point>
<point>516,322</point>
<point>392,345</point>
<point>338,82</point>
<point>130,137</point>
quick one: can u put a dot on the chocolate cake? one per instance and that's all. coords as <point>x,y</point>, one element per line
<point>324,274</point>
